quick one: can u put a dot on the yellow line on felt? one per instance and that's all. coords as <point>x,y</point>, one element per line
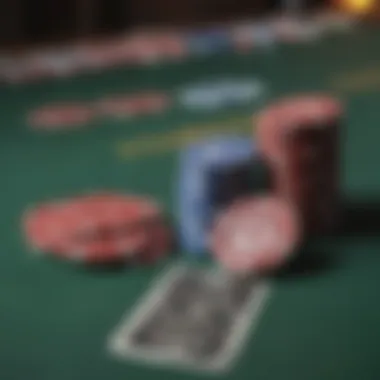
<point>163,142</point>
<point>357,81</point>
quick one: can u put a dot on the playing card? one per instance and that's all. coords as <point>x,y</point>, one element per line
<point>193,318</point>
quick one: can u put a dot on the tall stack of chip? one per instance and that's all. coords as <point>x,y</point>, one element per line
<point>299,138</point>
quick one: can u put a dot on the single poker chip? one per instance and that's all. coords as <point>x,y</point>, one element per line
<point>255,235</point>
<point>115,246</point>
<point>108,211</point>
<point>61,116</point>
<point>287,115</point>
<point>88,225</point>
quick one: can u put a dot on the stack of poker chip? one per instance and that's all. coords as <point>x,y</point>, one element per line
<point>299,137</point>
<point>99,228</point>
<point>249,203</point>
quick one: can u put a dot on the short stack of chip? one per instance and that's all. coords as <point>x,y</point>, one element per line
<point>213,174</point>
<point>299,137</point>
<point>100,228</point>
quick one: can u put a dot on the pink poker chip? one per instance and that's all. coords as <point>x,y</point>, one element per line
<point>255,235</point>
<point>97,227</point>
<point>292,113</point>
<point>61,116</point>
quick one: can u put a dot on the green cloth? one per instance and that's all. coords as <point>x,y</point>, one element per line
<point>55,317</point>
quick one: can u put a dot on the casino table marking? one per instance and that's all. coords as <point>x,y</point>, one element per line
<point>357,81</point>
<point>165,142</point>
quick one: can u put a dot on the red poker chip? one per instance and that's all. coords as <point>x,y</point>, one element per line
<point>85,226</point>
<point>61,116</point>
<point>100,249</point>
<point>256,235</point>
<point>109,211</point>
<point>292,113</point>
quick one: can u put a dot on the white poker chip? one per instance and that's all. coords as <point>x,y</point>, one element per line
<point>255,235</point>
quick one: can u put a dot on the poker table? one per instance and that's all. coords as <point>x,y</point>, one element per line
<point>322,319</point>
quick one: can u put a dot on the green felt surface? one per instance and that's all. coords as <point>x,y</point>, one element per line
<point>54,318</point>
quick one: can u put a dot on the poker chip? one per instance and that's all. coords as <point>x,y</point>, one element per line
<point>48,224</point>
<point>98,228</point>
<point>299,137</point>
<point>97,249</point>
<point>311,176</point>
<point>255,235</point>
<point>292,113</point>
<point>60,116</point>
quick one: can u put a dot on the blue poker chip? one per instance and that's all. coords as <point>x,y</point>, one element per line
<point>203,184</point>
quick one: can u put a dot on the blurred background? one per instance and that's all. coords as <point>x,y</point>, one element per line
<point>43,39</point>
<point>44,21</point>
